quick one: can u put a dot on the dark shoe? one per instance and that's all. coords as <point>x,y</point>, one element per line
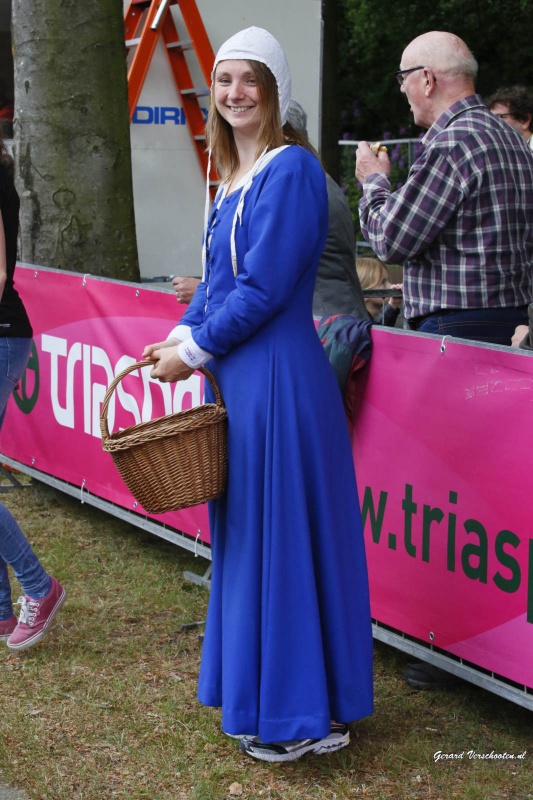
<point>338,737</point>
<point>36,617</point>
<point>427,676</point>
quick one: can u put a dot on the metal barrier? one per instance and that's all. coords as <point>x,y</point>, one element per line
<point>425,404</point>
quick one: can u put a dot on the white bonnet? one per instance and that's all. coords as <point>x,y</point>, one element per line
<point>257,44</point>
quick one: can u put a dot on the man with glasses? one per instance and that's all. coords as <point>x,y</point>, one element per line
<point>462,224</point>
<point>515,106</point>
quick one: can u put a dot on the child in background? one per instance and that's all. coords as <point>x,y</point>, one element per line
<point>43,594</point>
<point>373,274</point>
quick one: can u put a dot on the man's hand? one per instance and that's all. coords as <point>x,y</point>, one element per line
<point>185,288</point>
<point>366,163</point>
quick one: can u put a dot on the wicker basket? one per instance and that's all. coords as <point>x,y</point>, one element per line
<point>173,462</point>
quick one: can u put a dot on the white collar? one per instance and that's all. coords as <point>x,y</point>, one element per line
<point>258,166</point>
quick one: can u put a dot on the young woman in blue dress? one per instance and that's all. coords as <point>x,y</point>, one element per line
<point>287,651</point>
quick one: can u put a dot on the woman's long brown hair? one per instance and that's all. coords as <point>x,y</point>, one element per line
<point>219,134</point>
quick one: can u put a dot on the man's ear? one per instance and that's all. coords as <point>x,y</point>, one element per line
<point>430,80</point>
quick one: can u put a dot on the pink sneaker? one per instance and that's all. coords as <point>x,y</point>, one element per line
<point>36,617</point>
<point>7,626</point>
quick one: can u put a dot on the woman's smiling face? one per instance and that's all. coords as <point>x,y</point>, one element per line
<point>237,96</point>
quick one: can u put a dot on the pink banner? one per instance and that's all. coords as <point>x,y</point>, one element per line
<point>86,331</point>
<point>441,448</point>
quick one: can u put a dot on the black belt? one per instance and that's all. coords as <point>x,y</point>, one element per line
<point>415,322</point>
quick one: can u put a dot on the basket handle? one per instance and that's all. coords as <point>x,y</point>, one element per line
<point>132,367</point>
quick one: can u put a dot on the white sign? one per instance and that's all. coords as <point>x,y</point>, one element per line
<point>168,184</point>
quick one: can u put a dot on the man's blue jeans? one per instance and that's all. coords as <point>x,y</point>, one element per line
<point>493,325</point>
<point>14,547</point>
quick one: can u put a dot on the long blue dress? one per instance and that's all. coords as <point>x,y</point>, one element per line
<point>288,643</point>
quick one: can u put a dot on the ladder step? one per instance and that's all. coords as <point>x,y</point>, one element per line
<point>184,45</point>
<point>203,92</point>
<point>132,42</point>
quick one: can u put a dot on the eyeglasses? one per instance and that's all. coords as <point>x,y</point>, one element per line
<point>401,73</point>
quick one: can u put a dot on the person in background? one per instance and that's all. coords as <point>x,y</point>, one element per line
<point>7,111</point>
<point>514,105</point>
<point>185,287</point>
<point>462,223</point>
<point>337,287</point>
<point>43,594</point>
<point>373,274</point>
<point>287,650</point>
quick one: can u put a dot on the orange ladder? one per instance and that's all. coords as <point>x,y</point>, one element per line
<point>145,21</point>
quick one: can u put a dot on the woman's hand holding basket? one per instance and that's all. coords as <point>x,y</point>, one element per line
<point>168,366</point>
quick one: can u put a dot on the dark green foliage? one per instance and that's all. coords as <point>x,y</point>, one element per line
<point>373,36</point>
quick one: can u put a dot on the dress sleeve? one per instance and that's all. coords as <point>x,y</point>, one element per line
<point>282,235</point>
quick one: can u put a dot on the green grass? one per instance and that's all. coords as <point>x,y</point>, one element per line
<point>105,707</point>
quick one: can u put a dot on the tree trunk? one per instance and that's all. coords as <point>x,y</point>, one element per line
<point>72,137</point>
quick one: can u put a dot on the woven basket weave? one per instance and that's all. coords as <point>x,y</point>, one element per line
<point>173,462</point>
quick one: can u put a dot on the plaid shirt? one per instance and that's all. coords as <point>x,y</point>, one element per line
<point>463,221</point>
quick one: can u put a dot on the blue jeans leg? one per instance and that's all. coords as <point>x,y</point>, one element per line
<point>16,551</point>
<point>14,354</point>
<point>14,547</point>
<point>493,325</point>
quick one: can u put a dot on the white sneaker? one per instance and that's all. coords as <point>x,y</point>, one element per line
<point>338,737</point>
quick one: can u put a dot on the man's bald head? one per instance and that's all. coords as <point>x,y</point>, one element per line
<point>439,70</point>
<point>444,52</point>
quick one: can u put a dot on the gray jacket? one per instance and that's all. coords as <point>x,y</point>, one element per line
<point>337,288</point>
